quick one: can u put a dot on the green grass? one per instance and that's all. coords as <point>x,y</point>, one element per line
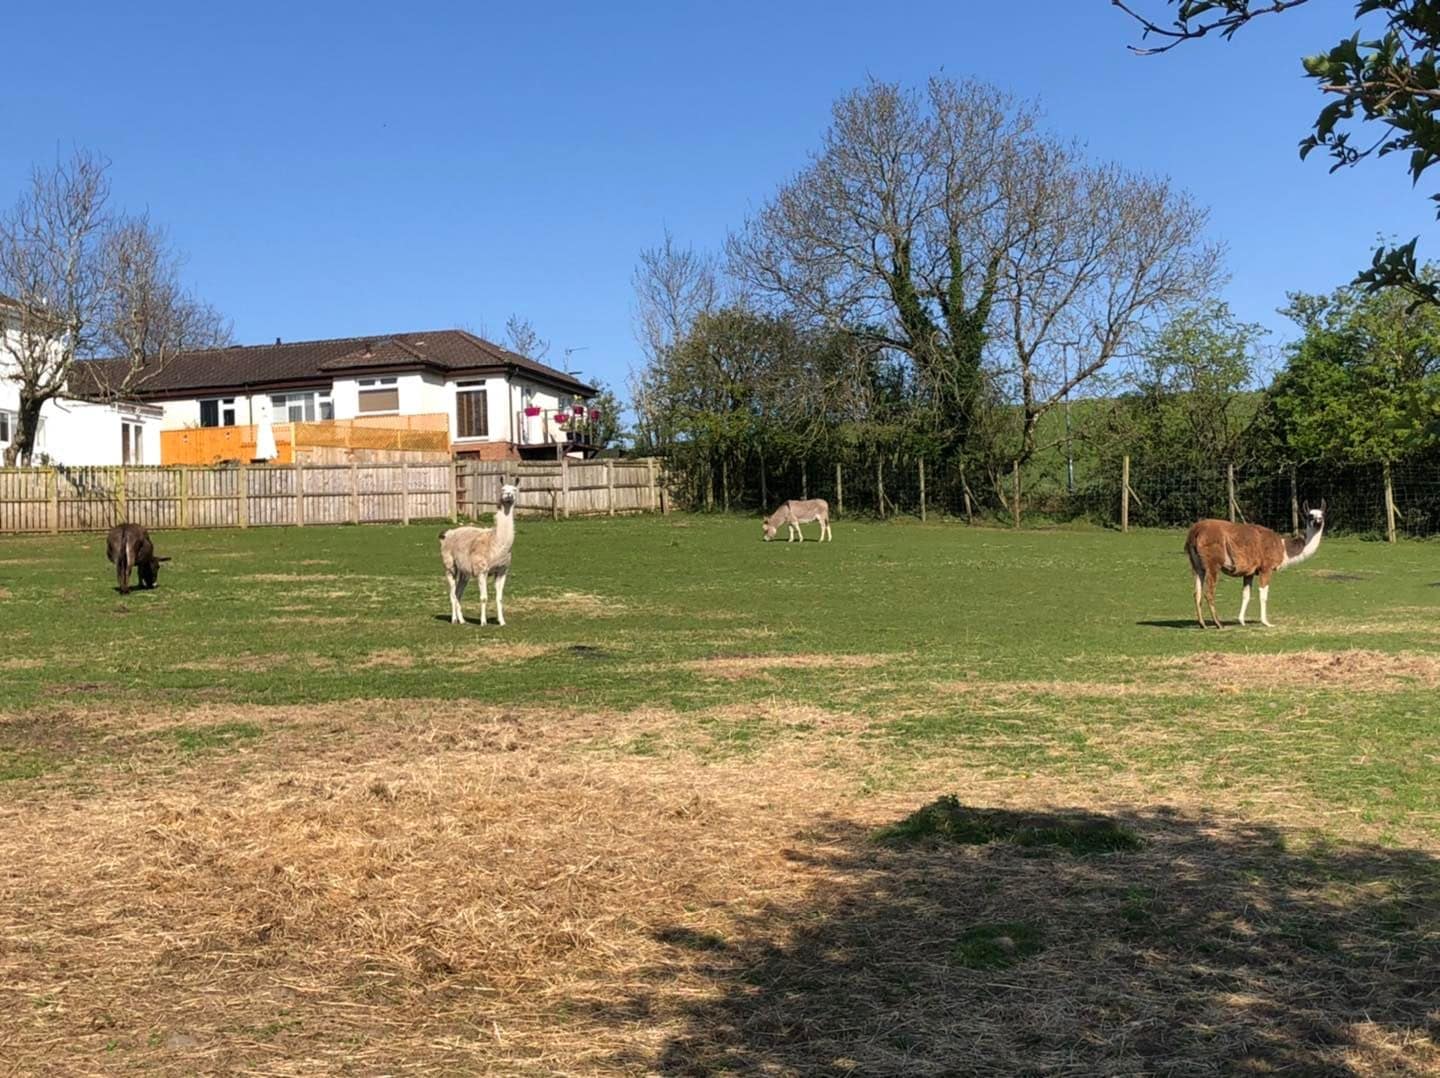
<point>972,639</point>
<point>947,820</point>
<point>997,946</point>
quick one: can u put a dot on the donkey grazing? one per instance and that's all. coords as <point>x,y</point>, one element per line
<point>1248,551</point>
<point>129,546</point>
<point>796,512</point>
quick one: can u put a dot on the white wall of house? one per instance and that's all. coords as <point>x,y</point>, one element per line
<point>420,393</point>
<point>78,433</point>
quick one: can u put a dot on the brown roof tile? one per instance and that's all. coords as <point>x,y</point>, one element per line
<point>297,363</point>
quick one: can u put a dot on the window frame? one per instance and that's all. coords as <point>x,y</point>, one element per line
<point>223,406</point>
<point>469,389</point>
<point>373,387</point>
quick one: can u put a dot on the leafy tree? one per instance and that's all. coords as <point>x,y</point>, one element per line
<point>1386,79</point>
<point>1191,398</point>
<point>1362,384</point>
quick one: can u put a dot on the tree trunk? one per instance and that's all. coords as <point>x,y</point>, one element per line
<point>22,449</point>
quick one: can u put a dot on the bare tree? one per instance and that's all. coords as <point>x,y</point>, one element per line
<point>80,281</point>
<point>147,317</point>
<point>522,338</point>
<point>674,287</point>
<point>1095,257</point>
<point>50,271</point>
<point>896,229</point>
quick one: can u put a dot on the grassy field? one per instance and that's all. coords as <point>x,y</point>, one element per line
<point>927,799</point>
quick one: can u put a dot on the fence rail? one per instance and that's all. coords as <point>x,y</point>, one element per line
<point>562,488</point>
<point>250,496</point>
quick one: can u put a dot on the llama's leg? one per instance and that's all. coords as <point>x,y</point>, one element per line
<point>457,612</point>
<point>450,593</point>
<point>1264,599</point>
<point>500,595</point>
<point>483,579</point>
<point>1245,599</point>
<point>1199,593</point>
<point>1210,579</point>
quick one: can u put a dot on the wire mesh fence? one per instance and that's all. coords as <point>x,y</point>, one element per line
<point>1402,499</point>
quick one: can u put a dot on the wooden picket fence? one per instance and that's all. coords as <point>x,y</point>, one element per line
<point>563,488</point>
<point>38,500</point>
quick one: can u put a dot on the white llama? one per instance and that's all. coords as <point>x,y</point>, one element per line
<point>480,553</point>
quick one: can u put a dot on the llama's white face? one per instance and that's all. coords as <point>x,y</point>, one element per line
<point>508,494</point>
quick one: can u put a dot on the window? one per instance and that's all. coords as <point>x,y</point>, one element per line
<point>217,412</point>
<point>7,426</point>
<point>379,395</point>
<point>131,443</point>
<point>302,407</point>
<point>472,418</point>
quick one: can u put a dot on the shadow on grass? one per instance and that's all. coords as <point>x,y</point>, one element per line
<point>1171,623</point>
<point>960,947</point>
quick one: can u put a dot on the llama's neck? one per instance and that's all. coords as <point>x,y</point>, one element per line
<point>1297,550</point>
<point>504,532</point>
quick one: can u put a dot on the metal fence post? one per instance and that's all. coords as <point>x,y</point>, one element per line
<point>1015,499</point>
<point>839,492</point>
<point>1125,494</point>
<point>922,490</point>
<point>1230,488</point>
<point>1389,505</point>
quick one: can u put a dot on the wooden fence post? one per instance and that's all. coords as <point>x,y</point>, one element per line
<point>839,492</point>
<point>120,496</point>
<point>1294,502</point>
<point>53,496</point>
<point>404,492</point>
<point>1125,494</point>
<point>922,490</point>
<point>565,484</point>
<point>965,490</point>
<point>610,486</point>
<point>880,486</point>
<point>805,479</point>
<point>1389,505</point>
<point>354,492</point>
<point>1015,498</point>
<point>299,492</point>
<point>1230,488</point>
<point>185,497</point>
<point>456,477</point>
<point>725,484</point>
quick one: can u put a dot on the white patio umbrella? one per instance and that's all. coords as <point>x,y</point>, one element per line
<point>264,432</point>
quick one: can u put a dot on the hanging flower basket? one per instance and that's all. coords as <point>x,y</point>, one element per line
<point>532,409</point>
<point>578,409</point>
<point>561,417</point>
<point>594,415</point>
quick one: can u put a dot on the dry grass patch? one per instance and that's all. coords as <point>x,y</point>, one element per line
<point>739,667</point>
<point>1071,690</point>
<point>579,603</point>
<point>288,578</point>
<point>1352,669</point>
<point>400,896</point>
<point>481,653</point>
<point>21,663</point>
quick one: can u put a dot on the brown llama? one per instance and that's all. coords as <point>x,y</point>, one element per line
<point>1247,551</point>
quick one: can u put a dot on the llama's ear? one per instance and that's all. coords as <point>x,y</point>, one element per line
<point>1304,509</point>
<point>1322,506</point>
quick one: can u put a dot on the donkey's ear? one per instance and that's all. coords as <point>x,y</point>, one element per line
<point>166,558</point>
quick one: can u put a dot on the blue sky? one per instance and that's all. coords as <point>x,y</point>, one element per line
<point>343,169</point>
